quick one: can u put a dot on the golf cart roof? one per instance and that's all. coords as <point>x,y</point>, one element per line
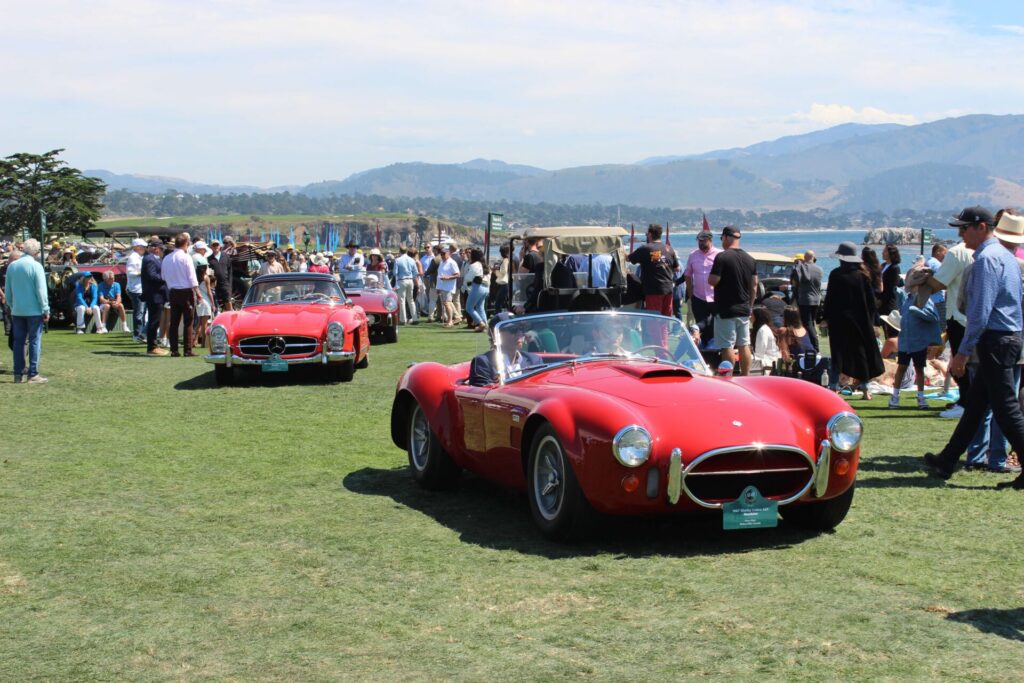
<point>768,257</point>
<point>574,231</point>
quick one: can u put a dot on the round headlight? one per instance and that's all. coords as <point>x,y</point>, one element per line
<point>844,431</point>
<point>219,335</point>
<point>390,303</point>
<point>335,332</point>
<point>632,446</point>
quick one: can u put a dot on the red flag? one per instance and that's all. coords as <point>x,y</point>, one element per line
<point>706,226</point>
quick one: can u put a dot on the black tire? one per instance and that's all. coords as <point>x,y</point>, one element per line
<point>390,335</point>
<point>341,372</point>
<point>364,363</point>
<point>224,375</point>
<point>822,516</point>
<point>431,466</point>
<point>557,503</point>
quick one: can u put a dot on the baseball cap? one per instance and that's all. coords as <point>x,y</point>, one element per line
<point>731,231</point>
<point>156,242</point>
<point>138,242</point>
<point>704,235</point>
<point>972,215</point>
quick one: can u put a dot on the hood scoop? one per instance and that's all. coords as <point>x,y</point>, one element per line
<point>652,372</point>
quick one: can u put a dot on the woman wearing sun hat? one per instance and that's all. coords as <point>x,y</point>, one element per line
<point>849,310</point>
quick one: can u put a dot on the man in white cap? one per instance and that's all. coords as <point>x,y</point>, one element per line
<point>133,268</point>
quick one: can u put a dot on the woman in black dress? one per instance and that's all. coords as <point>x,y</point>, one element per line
<point>888,301</point>
<point>850,313</point>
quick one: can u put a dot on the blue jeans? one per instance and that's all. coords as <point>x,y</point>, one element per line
<point>476,304</point>
<point>138,315</point>
<point>28,330</point>
<point>989,446</point>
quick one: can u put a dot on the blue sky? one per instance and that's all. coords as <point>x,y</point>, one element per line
<point>269,93</point>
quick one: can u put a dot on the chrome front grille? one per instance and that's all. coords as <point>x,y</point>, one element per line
<point>283,345</point>
<point>782,473</point>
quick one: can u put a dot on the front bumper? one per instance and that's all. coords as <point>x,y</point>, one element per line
<point>231,360</point>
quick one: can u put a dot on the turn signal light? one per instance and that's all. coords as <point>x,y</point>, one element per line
<point>630,483</point>
<point>842,466</point>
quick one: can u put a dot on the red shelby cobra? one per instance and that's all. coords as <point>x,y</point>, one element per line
<point>616,412</point>
<point>291,319</point>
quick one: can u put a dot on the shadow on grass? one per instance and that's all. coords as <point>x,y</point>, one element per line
<point>132,354</point>
<point>248,378</point>
<point>910,465</point>
<point>1007,623</point>
<point>487,515</point>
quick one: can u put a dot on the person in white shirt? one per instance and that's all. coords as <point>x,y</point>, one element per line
<point>950,276</point>
<point>766,345</point>
<point>178,271</point>
<point>353,260</point>
<point>272,266</point>
<point>447,283</point>
<point>133,269</point>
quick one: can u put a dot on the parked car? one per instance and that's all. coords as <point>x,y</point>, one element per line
<point>616,412</point>
<point>773,273</point>
<point>375,295</point>
<point>291,319</point>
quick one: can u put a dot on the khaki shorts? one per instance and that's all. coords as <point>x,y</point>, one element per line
<point>444,297</point>
<point>730,332</point>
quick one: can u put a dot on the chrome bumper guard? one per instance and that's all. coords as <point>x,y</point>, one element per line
<point>322,358</point>
<point>677,474</point>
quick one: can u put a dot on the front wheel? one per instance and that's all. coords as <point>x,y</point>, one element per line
<point>390,335</point>
<point>821,516</point>
<point>341,372</point>
<point>431,466</point>
<point>557,503</point>
<point>224,375</point>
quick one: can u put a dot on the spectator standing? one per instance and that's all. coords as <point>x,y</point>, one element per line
<point>353,259</point>
<point>734,278</point>
<point>154,294</point>
<point>220,264</point>
<point>889,299</point>
<point>501,280</point>
<point>133,269</point>
<point>272,266</point>
<point>601,268</point>
<point>994,325</point>
<point>806,278</point>
<point>406,272</point>
<point>447,282</point>
<point>700,294</point>
<point>319,264</point>
<point>179,273</point>
<point>476,302</point>
<point>87,298</point>
<point>25,293</point>
<point>850,313</point>
<point>919,329</point>
<point>658,265</point>
<point>206,306</point>
<point>460,292</point>
<point>377,264</point>
<point>110,300</point>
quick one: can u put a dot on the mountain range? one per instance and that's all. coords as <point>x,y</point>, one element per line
<point>939,165</point>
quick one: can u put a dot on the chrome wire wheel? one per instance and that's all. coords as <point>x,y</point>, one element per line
<point>549,478</point>
<point>419,439</point>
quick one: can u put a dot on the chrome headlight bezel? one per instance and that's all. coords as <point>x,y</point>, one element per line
<point>218,339</point>
<point>391,303</point>
<point>335,340</point>
<point>844,431</point>
<point>632,454</point>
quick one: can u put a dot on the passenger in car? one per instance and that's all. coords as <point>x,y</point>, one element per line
<point>483,369</point>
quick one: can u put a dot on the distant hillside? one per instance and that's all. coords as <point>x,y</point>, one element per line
<point>785,145</point>
<point>134,182</point>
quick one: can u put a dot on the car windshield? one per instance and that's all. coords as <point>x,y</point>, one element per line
<point>357,280</point>
<point>584,336</point>
<point>774,269</point>
<point>293,291</point>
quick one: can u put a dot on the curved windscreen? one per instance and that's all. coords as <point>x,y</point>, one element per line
<point>584,336</point>
<point>293,292</point>
<point>362,279</point>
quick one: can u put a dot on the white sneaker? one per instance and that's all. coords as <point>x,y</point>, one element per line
<point>954,413</point>
<point>37,379</point>
<point>164,343</point>
<point>101,331</point>
<point>79,330</point>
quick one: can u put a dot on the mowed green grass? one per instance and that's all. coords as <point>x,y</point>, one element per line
<point>155,527</point>
<point>277,220</point>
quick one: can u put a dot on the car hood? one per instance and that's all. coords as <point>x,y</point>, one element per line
<point>371,301</point>
<point>298,319</point>
<point>673,402</point>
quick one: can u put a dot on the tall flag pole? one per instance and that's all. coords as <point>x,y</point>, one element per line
<point>632,236</point>
<point>668,240</point>
<point>378,234</point>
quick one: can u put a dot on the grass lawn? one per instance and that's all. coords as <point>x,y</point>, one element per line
<point>154,527</point>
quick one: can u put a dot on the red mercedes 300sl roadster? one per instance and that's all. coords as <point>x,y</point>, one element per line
<point>291,319</point>
<point>616,412</point>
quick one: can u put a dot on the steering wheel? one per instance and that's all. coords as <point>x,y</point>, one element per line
<point>659,352</point>
<point>317,295</point>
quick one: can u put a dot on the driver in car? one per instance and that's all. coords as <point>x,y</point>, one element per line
<point>483,369</point>
<point>372,282</point>
<point>608,339</point>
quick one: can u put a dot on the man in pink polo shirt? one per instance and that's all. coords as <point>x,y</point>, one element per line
<point>699,293</point>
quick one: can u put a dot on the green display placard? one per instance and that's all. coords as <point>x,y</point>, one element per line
<point>274,364</point>
<point>750,511</point>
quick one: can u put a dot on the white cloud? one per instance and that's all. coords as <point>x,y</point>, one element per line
<point>835,114</point>
<point>1010,28</point>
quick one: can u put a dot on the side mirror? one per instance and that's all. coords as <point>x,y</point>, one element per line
<point>348,302</point>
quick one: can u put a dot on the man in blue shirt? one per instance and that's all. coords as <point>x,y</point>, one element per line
<point>994,325</point>
<point>110,299</point>
<point>87,298</point>
<point>406,273</point>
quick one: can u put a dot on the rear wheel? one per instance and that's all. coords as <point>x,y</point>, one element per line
<point>431,466</point>
<point>224,375</point>
<point>341,372</point>
<point>557,503</point>
<point>821,516</point>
